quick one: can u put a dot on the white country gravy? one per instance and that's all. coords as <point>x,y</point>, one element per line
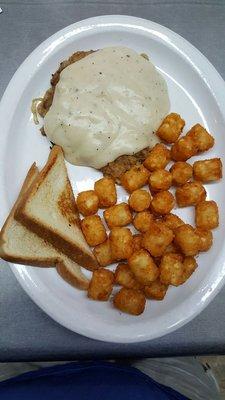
<point>106,105</point>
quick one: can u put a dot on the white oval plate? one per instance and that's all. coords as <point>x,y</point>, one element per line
<point>196,91</point>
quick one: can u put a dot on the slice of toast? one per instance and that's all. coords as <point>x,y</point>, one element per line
<point>19,245</point>
<point>48,209</point>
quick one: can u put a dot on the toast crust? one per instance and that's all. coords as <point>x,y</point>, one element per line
<point>70,249</point>
<point>34,262</point>
<point>80,282</point>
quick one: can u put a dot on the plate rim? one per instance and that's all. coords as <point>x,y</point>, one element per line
<point>211,77</point>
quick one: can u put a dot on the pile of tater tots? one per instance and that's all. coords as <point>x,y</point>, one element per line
<point>163,251</point>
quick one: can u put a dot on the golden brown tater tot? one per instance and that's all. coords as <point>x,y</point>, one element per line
<point>135,178</point>
<point>93,230</point>
<point>208,170</point>
<point>190,194</point>
<point>158,157</point>
<point>171,128</point>
<point>130,301</point>
<point>207,215</point>
<point>101,284</point>
<point>106,191</point>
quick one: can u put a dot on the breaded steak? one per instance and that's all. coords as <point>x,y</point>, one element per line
<point>113,169</point>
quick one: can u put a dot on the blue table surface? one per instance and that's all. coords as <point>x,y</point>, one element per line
<point>26,333</point>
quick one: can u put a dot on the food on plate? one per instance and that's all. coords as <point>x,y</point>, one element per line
<point>87,202</point>
<point>160,180</point>
<point>121,242</point>
<point>130,301</point>
<point>110,102</point>
<point>195,141</point>
<point>202,139</point>
<point>183,149</point>
<point>206,239</point>
<point>143,221</point>
<point>162,202</point>
<point>118,215</point>
<point>157,239</point>
<point>207,215</point>
<point>101,284</point>
<point>190,265</point>
<point>171,269</point>
<point>171,248</point>
<point>106,192</point>
<point>181,173</point>
<point>156,290</point>
<point>139,200</point>
<point>158,157</point>
<point>172,221</point>
<point>171,128</point>
<point>47,215</point>
<point>48,209</point>
<point>207,170</point>
<point>103,253</point>
<point>125,277</point>
<point>117,168</point>
<point>190,194</point>
<point>137,242</point>
<point>187,240</point>
<point>135,178</point>
<point>20,245</point>
<point>143,267</point>
<point>175,269</point>
<point>93,230</point>
<point>46,102</point>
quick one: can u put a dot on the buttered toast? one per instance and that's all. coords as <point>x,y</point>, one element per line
<point>48,209</point>
<point>21,246</point>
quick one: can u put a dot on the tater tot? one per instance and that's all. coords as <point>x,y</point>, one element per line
<point>157,239</point>
<point>137,242</point>
<point>121,242</point>
<point>106,191</point>
<point>187,240</point>
<point>162,202</point>
<point>171,128</point>
<point>190,194</point>
<point>143,221</point>
<point>143,267</point>
<point>183,149</point>
<point>156,290</point>
<point>118,215</point>
<point>160,180</point>
<point>208,170</point>
<point>171,269</point>
<point>130,301</point>
<point>158,157</point>
<point>139,200</point>
<point>125,277</point>
<point>103,253</point>
<point>202,139</point>
<point>172,221</point>
<point>207,215</point>
<point>101,284</point>
<point>206,239</point>
<point>135,178</point>
<point>171,248</point>
<point>189,265</point>
<point>181,173</point>
<point>93,230</point>
<point>87,202</point>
